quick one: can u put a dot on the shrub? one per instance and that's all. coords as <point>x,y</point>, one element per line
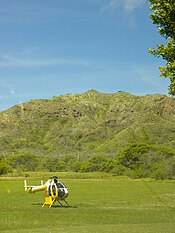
<point>53,164</point>
<point>94,164</point>
<point>142,160</point>
<point>4,168</point>
<point>24,162</point>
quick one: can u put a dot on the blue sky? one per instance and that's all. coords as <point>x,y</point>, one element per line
<point>54,47</point>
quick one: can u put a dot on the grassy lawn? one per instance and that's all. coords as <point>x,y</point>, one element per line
<point>96,205</point>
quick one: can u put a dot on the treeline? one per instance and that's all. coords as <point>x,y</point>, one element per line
<point>135,161</point>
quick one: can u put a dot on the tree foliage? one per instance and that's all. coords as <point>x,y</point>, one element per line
<point>163,14</point>
<point>4,168</point>
<point>136,160</point>
<point>24,162</point>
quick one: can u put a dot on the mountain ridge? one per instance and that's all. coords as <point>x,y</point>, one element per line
<point>87,123</point>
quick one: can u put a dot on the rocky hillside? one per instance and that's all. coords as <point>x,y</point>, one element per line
<point>88,123</point>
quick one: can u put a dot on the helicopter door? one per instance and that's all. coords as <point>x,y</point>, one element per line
<point>54,190</point>
<point>49,190</point>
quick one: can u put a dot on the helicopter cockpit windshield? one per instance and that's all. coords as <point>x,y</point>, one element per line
<point>60,185</point>
<point>62,190</point>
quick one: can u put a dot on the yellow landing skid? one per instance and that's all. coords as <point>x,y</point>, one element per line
<point>48,201</point>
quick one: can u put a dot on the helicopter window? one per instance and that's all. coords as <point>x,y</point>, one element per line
<point>54,190</point>
<point>60,185</point>
<point>61,193</point>
<point>49,190</point>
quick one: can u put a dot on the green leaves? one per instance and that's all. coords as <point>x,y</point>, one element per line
<point>163,14</point>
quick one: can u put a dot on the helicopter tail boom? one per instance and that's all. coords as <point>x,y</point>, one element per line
<point>33,189</point>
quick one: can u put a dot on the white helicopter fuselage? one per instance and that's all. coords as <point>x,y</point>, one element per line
<point>57,190</point>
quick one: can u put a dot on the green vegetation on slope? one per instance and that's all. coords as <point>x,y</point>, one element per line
<point>69,132</point>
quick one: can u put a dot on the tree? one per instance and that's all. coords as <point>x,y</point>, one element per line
<point>4,168</point>
<point>25,162</point>
<point>163,15</point>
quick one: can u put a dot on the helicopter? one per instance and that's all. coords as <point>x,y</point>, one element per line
<point>54,191</point>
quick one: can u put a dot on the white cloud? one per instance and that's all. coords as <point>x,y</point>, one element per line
<point>111,6</point>
<point>12,61</point>
<point>128,6</point>
<point>131,5</point>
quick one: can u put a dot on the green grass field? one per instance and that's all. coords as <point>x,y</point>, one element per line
<point>96,205</point>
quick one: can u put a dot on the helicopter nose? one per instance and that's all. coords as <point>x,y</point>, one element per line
<point>63,193</point>
<point>66,193</point>
<point>66,190</point>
